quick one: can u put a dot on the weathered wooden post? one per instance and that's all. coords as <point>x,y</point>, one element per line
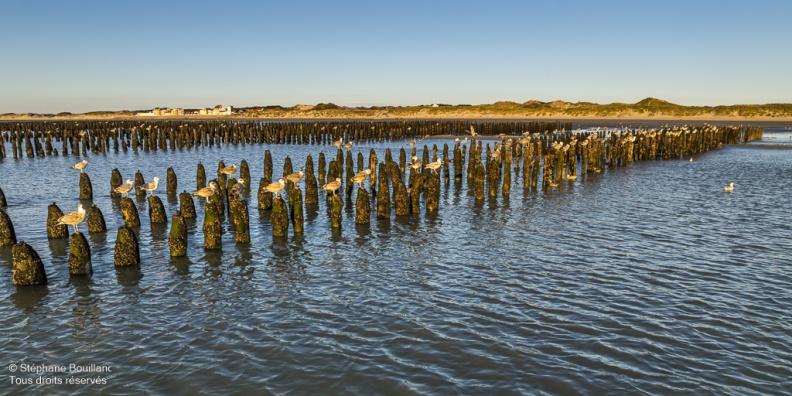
<point>79,255</point>
<point>7,234</point>
<point>296,210</point>
<point>415,191</point>
<point>96,222</point>
<point>322,169</point>
<point>3,202</point>
<point>53,230</point>
<point>130,212</point>
<point>115,181</point>
<point>187,206</point>
<point>127,251</point>
<point>433,190</point>
<point>507,169</point>
<point>401,198</point>
<point>244,172</point>
<point>336,206</point>
<point>177,238</point>
<point>383,194</point>
<point>139,181</point>
<point>239,212</point>
<point>212,228</point>
<point>171,181</point>
<point>157,210</point>
<point>362,207</point>
<point>28,269</point>
<point>200,177</point>
<point>86,190</point>
<point>311,186</point>
<point>479,177</point>
<point>279,217</point>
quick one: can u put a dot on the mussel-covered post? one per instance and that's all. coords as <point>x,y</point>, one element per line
<point>28,269</point>
<point>79,255</point>
<point>296,210</point>
<point>187,206</point>
<point>53,230</point>
<point>244,172</point>
<point>362,207</point>
<point>212,228</point>
<point>139,181</point>
<point>279,217</point>
<point>433,190</point>
<point>239,212</point>
<point>171,181</point>
<point>7,234</point>
<point>157,210</point>
<point>130,212</point>
<point>383,194</point>
<point>336,206</point>
<point>401,198</point>
<point>86,190</point>
<point>127,251</point>
<point>177,238</point>
<point>200,177</point>
<point>96,222</point>
<point>415,191</point>
<point>311,186</point>
<point>115,181</point>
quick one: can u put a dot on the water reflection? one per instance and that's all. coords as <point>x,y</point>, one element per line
<point>29,299</point>
<point>129,275</point>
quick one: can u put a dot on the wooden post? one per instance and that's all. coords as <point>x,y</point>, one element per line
<point>3,202</point>
<point>239,212</point>
<point>415,191</point>
<point>200,177</point>
<point>127,251</point>
<point>279,217</point>
<point>322,171</point>
<point>7,234</point>
<point>362,207</point>
<point>53,230</point>
<point>139,181</point>
<point>115,181</point>
<point>86,190</point>
<point>383,194</point>
<point>28,269</point>
<point>311,186</point>
<point>244,172</point>
<point>296,210</point>
<point>264,196</point>
<point>177,238</point>
<point>96,222</point>
<point>212,228</point>
<point>187,206</point>
<point>171,182</point>
<point>336,206</point>
<point>433,191</point>
<point>130,212</point>
<point>157,210</point>
<point>79,255</point>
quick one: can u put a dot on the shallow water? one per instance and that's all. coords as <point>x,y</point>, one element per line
<point>641,279</point>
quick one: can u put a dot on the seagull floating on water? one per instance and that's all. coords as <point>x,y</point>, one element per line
<point>80,165</point>
<point>73,218</point>
<point>729,188</point>
<point>125,188</point>
<point>151,186</point>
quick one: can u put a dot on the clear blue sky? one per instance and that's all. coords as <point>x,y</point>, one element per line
<point>81,56</point>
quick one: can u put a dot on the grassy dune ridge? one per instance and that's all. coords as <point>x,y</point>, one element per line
<point>647,108</point>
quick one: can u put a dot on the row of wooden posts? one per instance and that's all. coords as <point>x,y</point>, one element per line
<point>556,157</point>
<point>39,139</point>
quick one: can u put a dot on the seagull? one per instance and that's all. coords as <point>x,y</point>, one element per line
<point>125,188</point>
<point>348,145</point>
<point>276,187</point>
<point>229,170</point>
<point>296,177</point>
<point>151,186</point>
<point>206,192</point>
<point>361,177</point>
<point>434,165</point>
<point>472,131</point>
<point>729,188</point>
<point>338,142</point>
<point>416,163</point>
<point>73,218</point>
<point>80,165</point>
<point>411,143</point>
<point>333,186</point>
<point>236,189</point>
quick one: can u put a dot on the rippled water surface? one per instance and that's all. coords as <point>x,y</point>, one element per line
<point>645,279</point>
